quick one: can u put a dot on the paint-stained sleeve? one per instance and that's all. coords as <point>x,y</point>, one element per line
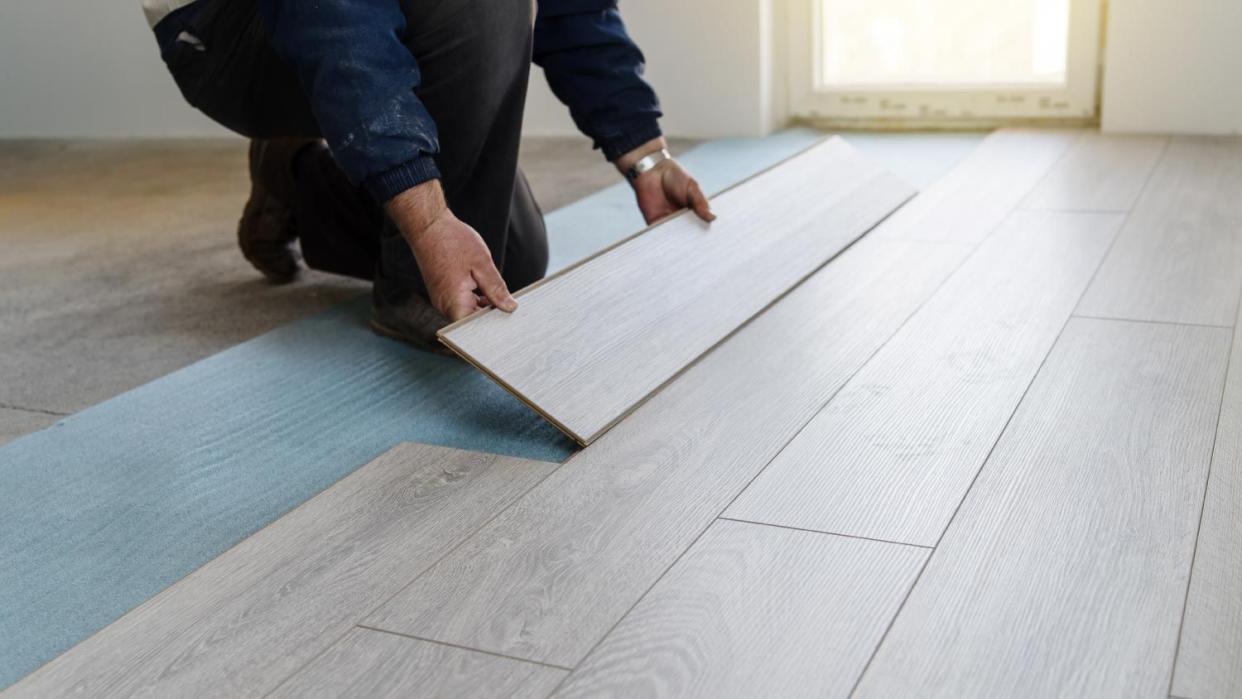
<point>360,80</point>
<point>594,67</point>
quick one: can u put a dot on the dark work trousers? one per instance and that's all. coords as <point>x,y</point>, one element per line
<point>474,56</point>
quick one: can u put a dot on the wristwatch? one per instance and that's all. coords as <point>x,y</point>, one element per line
<point>647,162</point>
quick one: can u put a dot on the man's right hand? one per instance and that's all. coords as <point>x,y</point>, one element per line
<point>455,262</point>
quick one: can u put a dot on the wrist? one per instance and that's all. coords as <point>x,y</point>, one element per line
<point>628,159</point>
<point>417,208</point>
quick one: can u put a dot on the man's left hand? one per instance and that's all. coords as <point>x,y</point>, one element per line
<point>666,188</point>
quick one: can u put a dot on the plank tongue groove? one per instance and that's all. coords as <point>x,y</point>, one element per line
<point>1179,257</point>
<point>967,204</point>
<point>588,345</point>
<point>1208,662</point>
<point>1064,573</point>
<point>755,611</point>
<point>242,623</point>
<point>894,452</point>
<point>547,578</point>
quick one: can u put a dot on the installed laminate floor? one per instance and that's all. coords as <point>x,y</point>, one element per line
<point>956,481</point>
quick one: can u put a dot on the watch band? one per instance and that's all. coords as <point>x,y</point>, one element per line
<point>647,162</point>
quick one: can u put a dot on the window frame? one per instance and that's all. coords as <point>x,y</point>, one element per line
<point>1077,102</point>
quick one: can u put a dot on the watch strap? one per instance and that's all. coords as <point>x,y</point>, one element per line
<point>647,162</point>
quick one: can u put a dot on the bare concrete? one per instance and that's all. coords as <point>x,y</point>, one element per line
<point>118,263</point>
<point>15,423</point>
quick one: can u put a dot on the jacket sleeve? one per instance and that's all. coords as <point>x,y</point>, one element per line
<point>594,67</point>
<point>360,80</point>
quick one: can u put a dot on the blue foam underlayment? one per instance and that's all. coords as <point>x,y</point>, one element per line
<point>109,506</point>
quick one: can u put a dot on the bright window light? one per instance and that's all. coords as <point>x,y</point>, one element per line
<point>922,44</point>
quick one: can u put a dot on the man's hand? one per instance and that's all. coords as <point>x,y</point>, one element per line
<point>455,262</point>
<point>665,189</point>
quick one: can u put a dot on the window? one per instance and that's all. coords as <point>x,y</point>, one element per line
<point>944,61</point>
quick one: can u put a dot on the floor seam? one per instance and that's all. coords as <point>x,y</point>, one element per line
<point>722,518</point>
<point>443,556</point>
<point>1017,405</point>
<point>461,647</point>
<point>1151,322</point>
<point>973,250</point>
<point>1207,484</point>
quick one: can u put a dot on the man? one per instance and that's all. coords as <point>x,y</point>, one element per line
<point>420,105</point>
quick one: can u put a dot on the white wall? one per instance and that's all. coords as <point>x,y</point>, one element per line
<point>713,64</point>
<point>90,68</point>
<point>87,68</point>
<point>1173,66</point>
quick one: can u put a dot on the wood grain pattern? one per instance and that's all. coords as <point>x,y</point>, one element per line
<point>967,204</point>
<point>1099,173</point>
<point>246,620</point>
<point>1208,662</point>
<point>1179,257</point>
<point>664,297</point>
<point>368,663</point>
<point>755,611</point>
<point>894,452</point>
<point>549,576</point>
<point>1065,571</point>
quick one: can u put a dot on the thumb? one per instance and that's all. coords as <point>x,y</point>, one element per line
<point>493,287</point>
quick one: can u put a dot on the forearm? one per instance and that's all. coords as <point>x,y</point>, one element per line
<point>360,81</point>
<point>594,67</point>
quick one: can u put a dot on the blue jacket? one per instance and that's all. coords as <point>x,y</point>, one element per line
<point>362,81</point>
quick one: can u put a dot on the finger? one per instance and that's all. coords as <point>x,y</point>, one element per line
<point>493,287</point>
<point>460,305</point>
<point>699,202</point>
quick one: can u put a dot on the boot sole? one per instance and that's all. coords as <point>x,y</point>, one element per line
<point>385,331</point>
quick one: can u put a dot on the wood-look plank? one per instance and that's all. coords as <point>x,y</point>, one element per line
<point>1208,658</point>
<point>242,623</point>
<point>755,611</point>
<point>1099,173</point>
<point>1179,257</point>
<point>664,297</point>
<point>1065,571</point>
<point>368,663</point>
<point>967,204</point>
<point>547,578</point>
<point>894,452</point>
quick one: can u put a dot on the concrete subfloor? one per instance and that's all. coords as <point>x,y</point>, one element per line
<point>119,263</point>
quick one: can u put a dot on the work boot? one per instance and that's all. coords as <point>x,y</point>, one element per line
<point>412,320</point>
<point>267,232</point>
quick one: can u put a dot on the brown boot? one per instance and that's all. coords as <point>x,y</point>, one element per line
<point>267,233</point>
<point>412,320</point>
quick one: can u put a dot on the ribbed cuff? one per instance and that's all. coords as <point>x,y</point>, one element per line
<point>618,146</point>
<point>387,185</point>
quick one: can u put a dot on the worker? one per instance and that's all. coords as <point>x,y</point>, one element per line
<point>384,136</point>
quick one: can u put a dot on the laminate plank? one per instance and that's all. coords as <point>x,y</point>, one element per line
<point>1064,572</point>
<point>1179,257</point>
<point>753,611</point>
<point>368,663</point>
<point>664,297</point>
<point>242,623</point>
<point>894,452</point>
<point>548,577</point>
<point>1211,641</point>
<point>968,203</point>
<point>1099,173</point>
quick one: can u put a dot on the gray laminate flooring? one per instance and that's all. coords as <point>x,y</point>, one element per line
<point>992,449</point>
<point>661,299</point>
